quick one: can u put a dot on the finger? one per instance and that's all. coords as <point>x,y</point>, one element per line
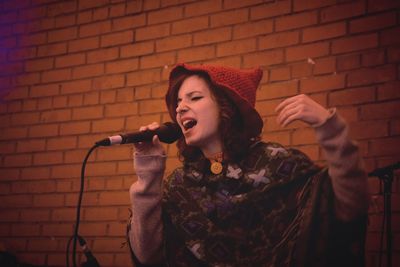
<point>290,119</point>
<point>287,113</point>
<point>156,140</point>
<point>286,102</point>
<point>288,109</point>
<point>154,126</point>
<point>143,128</point>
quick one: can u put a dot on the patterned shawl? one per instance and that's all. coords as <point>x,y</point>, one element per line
<point>275,208</point>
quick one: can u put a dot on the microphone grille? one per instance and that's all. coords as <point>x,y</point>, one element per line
<point>169,132</point>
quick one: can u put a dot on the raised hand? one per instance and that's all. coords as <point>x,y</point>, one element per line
<point>303,108</point>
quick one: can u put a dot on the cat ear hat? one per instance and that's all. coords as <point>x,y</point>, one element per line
<point>239,85</point>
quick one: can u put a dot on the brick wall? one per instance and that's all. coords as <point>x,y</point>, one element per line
<point>73,72</point>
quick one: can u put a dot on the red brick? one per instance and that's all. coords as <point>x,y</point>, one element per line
<point>44,90</point>
<point>31,145</point>
<point>48,158</point>
<point>52,49</point>
<point>75,100</point>
<point>152,106</point>
<point>133,123</point>
<point>165,15</point>
<point>108,97</point>
<point>121,109</point>
<point>63,215</point>
<point>212,36</point>
<point>62,35</point>
<point>118,38</point>
<point>301,5</point>
<point>75,128</point>
<point>83,44</point>
<point>56,115</point>
<point>278,40</point>
<point>18,160</point>
<point>70,60</point>
<point>325,65</point>
<point>269,10</point>
<point>93,229</point>
<point>268,58</point>
<point>129,22</point>
<point>324,32</point>
<point>204,7</point>
<point>390,36</point>
<point>85,113</point>
<point>229,17</point>
<point>26,79</point>
<point>233,61</point>
<point>119,153</point>
<point>371,75</point>
<point>56,75</point>
<point>67,171</point>
<point>150,5</point>
<point>109,82</point>
<point>252,29</point>
<point>296,21</point>
<point>101,169</point>
<point>37,173</point>
<point>277,90</point>
<point>137,49</point>
<point>88,71</point>
<point>71,156</point>
<point>61,8</point>
<point>372,23</point>
<point>32,39</point>
<point>91,98</point>
<point>122,66</point>
<point>279,74</point>
<point>307,51</point>
<point>25,229</point>
<point>35,215</point>
<point>102,55</point>
<point>394,127</point>
<point>322,83</point>
<point>343,11</point>
<point>26,118</point>
<point>348,62</point>
<point>373,58</point>
<point>17,93</point>
<point>64,21</point>
<point>21,54</point>
<point>90,4</point>
<point>76,87</point>
<point>368,129</point>
<point>393,54</point>
<point>354,43</point>
<point>196,54</point>
<point>278,137</point>
<point>108,125</point>
<point>157,60</point>
<point>389,90</point>
<point>29,105</point>
<point>97,28</point>
<point>113,198</point>
<point>374,6</point>
<point>32,13</point>
<point>351,96</point>
<point>380,110</point>
<point>190,25</point>
<point>43,130</point>
<point>152,32</point>
<point>385,147</point>
<point>236,47</point>
<point>61,143</point>
<point>173,43</point>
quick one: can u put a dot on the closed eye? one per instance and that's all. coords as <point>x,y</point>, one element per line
<point>195,98</point>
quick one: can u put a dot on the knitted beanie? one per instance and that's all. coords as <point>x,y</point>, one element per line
<point>239,85</point>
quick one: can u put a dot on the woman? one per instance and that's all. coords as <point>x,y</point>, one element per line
<point>237,201</point>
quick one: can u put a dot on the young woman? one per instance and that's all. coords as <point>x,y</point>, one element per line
<point>238,201</point>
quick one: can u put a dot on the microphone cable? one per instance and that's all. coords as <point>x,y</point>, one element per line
<point>75,237</point>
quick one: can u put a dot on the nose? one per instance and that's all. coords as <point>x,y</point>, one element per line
<point>181,108</point>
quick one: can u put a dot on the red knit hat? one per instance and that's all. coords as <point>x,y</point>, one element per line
<point>239,85</point>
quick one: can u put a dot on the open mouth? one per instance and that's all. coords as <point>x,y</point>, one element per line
<point>188,124</point>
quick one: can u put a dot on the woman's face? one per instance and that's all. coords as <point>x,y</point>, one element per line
<point>197,114</point>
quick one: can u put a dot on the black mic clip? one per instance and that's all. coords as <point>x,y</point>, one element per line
<point>91,261</point>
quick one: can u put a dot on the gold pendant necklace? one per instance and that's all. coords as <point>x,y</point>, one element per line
<point>216,163</point>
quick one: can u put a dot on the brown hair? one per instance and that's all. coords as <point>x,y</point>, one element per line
<point>236,140</point>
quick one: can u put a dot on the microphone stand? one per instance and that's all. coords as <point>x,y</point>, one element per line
<point>386,175</point>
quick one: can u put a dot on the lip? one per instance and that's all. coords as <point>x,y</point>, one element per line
<point>182,120</point>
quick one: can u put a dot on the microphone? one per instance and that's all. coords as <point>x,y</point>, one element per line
<point>168,132</point>
<point>91,260</point>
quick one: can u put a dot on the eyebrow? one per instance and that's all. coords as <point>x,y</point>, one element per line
<point>190,94</point>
